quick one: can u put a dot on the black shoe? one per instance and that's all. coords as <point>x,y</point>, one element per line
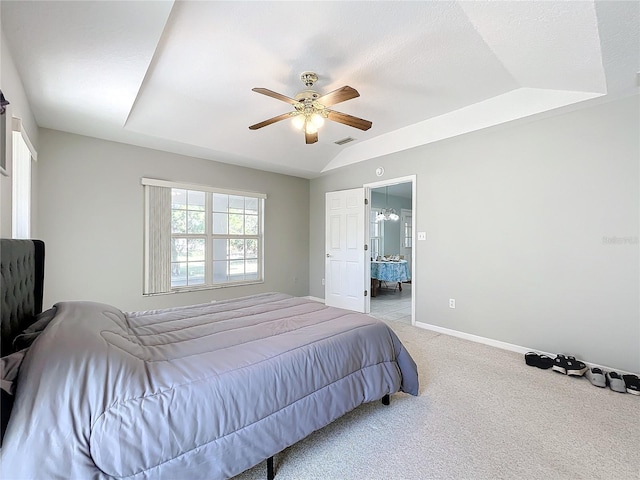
<point>632,384</point>
<point>569,366</point>
<point>560,364</point>
<point>534,359</point>
<point>575,367</point>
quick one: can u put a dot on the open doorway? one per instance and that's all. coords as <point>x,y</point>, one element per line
<point>391,239</point>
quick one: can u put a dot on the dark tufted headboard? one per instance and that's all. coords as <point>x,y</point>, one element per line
<point>22,269</point>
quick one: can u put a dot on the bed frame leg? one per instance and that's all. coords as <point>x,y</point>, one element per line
<point>386,400</point>
<point>270,473</point>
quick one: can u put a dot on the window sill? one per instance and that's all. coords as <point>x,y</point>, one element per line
<point>197,288</point>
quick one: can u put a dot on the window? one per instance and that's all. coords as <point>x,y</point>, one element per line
<point>188,237</point>
<point>407,236</point>
<point>22,154</point>
<point>376,234</point>
<point>201,237</point>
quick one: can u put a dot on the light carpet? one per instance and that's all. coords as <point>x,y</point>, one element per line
<point>482,413</point>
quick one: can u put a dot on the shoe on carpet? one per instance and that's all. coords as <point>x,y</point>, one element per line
<point>534,359</point>
<point>616,382</point>
<point>596,377</point>
<point>575,367</point>
<point>569,365</point>
<point>560,364</point>
<point>632,384</point>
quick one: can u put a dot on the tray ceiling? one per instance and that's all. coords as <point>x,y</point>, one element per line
<point>178,76</point>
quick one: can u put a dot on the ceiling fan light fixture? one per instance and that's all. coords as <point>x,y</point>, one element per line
<point>298,121</point>
<point>317,120</point>
<point>310,127</point>
<point>310,109</point>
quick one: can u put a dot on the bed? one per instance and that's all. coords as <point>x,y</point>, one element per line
<point>203,391</point>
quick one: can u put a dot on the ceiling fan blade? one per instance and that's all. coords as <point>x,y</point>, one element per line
<point>337,96</point>
<point>349,120</point>
<point>284,116</point>
<point>311,137</point>
<point>277,96</point>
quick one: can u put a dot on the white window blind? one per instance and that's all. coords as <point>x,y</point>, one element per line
<point>158,244</point>
<point>201,237</point>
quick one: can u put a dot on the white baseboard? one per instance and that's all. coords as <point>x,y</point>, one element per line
<point>315,299</point>
<point>505,346</point>
<point>475,338</point>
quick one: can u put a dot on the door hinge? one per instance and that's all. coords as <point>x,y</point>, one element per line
<point>366,247</point>
<point>365,293</point>
<point>366,201</point>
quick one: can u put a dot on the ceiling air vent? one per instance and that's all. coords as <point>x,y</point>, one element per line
<point>344,140</point>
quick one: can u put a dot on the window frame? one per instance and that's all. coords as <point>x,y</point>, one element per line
<point>376,239</point>
<point>209,274</point>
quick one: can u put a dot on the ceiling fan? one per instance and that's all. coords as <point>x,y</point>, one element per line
<point>310,109</point>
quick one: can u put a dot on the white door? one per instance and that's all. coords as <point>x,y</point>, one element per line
<point>345,275</point>
<point>406,236</point>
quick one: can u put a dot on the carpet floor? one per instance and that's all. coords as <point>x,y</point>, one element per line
<point>482,413</point>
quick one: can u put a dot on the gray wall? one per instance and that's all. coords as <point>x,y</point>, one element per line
<point>531,227</point>
<point>91,218</point>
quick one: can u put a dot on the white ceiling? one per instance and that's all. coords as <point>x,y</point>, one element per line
<point>177,76</point>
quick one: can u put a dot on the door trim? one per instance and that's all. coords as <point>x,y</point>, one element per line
<point>367,194</point>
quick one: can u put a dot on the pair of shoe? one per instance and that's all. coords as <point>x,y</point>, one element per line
<point>616,382</point>
<point>568,365</point>
<point>534,359</point>
<point>562,363</point>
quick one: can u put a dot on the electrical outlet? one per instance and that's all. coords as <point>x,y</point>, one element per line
<point>452,303</point>
<point>422,235</point>
<point>323,281</point>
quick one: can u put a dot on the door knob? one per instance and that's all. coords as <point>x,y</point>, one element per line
<point>328,255</point>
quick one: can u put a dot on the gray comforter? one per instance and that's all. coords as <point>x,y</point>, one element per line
<point>205,391</point>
